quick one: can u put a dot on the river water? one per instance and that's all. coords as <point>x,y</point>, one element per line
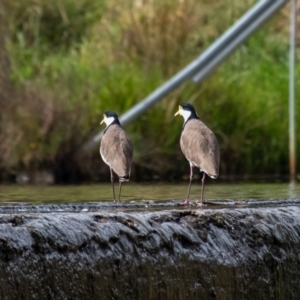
<point>132,192</point>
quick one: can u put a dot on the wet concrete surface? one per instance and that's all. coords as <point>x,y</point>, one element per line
<point>225,251</point>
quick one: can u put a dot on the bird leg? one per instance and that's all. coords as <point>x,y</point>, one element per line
<point>120,186</point>
<point>186,202</point>
<point>112,182</point>
<point>202,192</point>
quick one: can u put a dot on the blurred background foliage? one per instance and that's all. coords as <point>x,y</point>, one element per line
<point>63,63</point>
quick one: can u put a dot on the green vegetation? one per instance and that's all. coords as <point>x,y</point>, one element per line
<point>63,63</point>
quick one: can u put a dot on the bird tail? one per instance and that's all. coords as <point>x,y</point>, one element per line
<point>124,178</point>
<point>212,176</point>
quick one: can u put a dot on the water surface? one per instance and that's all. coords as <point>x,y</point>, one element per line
<point>131,192</point>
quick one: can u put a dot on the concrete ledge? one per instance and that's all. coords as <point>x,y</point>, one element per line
<point>222,253</point>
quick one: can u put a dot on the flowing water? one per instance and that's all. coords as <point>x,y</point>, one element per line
<point>132,192</point>
<point>131,251</point>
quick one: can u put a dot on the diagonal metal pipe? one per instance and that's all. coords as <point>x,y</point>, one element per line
<point>237,34</point>
<point>204,64</point>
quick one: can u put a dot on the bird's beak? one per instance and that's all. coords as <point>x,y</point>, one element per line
<point>179,111</point>
<point>104,118</point>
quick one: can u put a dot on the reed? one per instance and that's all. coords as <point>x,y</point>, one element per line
<point>68,62</point>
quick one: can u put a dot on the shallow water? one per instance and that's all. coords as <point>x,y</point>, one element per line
<point>20,194</point>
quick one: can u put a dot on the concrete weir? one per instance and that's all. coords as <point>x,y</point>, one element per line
<point>227,252</point>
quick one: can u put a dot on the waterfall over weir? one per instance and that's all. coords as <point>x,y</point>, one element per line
<point>216,252</point>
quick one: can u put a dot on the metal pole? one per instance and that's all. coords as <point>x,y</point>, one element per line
<point>246,29</point>
<point>206,62</point>
<point>292,138</point>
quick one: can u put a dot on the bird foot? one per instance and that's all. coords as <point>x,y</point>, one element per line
<point>200,204</point>
<point>185,203</point>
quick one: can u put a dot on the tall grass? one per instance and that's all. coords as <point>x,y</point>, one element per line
<point>70,61</point>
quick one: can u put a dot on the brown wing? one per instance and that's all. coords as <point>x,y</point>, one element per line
<point>116,150</point>
<point>200,146</point>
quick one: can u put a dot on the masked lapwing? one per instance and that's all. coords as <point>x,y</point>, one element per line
<point>116,149</point>
<point>199,145</point>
